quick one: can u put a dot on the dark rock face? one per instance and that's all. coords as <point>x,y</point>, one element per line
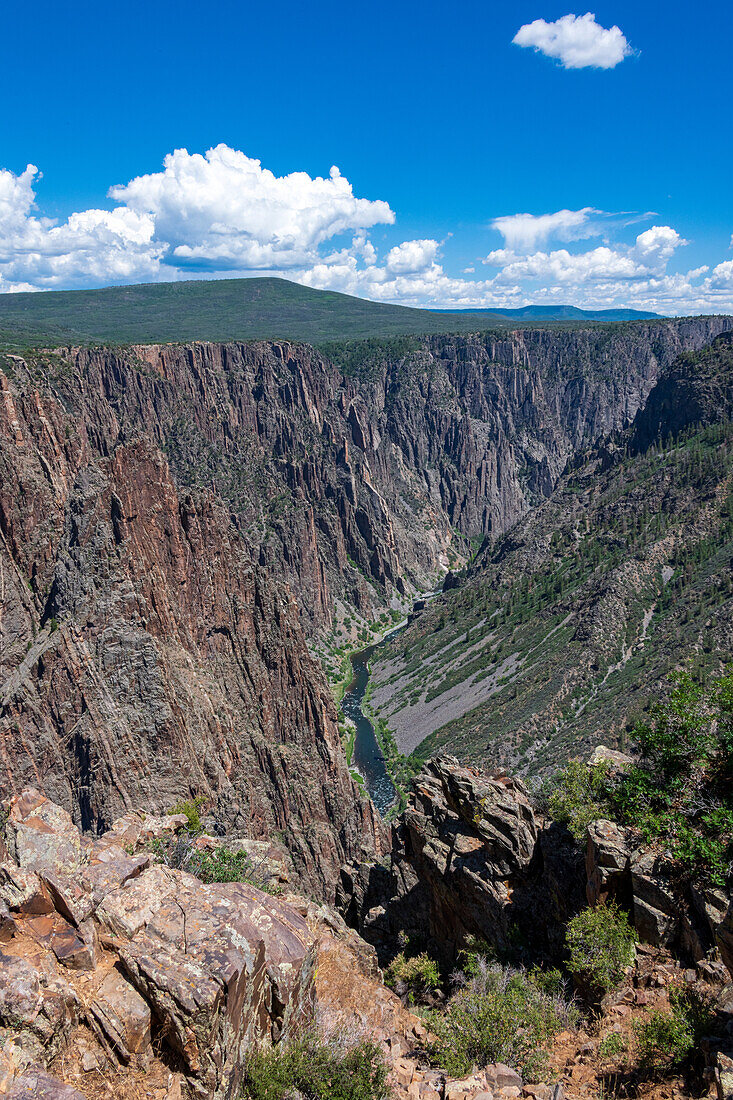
<point>469,857</point>
<point>519,663</point>
<point>145,657</point>
<point>696,389</point>
<point>334,479</point>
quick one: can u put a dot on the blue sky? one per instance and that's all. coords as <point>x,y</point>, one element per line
<point>438,122</point>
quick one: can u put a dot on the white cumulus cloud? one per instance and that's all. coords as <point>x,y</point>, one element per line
<point>220,212</point>
<point>658,244</point>
<point>411,256</point>
<point>525,231</point>
<point>577,41</point>
<point>224,213</point>
<point>226,210</point>
<point>90,247</point>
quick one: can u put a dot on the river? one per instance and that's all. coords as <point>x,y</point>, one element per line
<point>368,758</point>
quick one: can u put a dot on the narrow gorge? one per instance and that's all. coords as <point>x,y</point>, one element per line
<point>275,625</point>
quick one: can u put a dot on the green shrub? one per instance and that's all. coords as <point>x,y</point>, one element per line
<point>218,865</point>
<point>663,1041</point>
<point>681,792</point>
<point>577,795</point>
<point>549,981</point>
<point>319,1070</point>
<point>419,976</point>
<point>498,1015</point>
<point>191,809</point>
<point>601,944</point>
<point>612,1045</point>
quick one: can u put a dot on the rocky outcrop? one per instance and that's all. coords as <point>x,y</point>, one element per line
<point>724,937</point>
<point>165,972</point>
<point>664,911</point>
<point>182,980</point>
<point>469,858</point>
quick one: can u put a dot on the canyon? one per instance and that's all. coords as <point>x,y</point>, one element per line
<point>180,523</point>
<point>193,540</point>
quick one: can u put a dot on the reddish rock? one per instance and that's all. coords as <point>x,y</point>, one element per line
<point>139,828</point>
<point>121,1016</point>
<point>41,834</point>
<point>23,891</point>
<point>36,1084</point>
<point>223,967</point>
<point>75,948</point>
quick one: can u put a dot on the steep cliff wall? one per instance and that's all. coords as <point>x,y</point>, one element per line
<point>144,656</point>
<point>357,486</point>
<point>556,635</point>
<point>489,422</point>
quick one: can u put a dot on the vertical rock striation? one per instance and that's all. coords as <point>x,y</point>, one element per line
<point>146,657</point>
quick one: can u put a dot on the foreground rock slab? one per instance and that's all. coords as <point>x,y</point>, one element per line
<point>101,948</point>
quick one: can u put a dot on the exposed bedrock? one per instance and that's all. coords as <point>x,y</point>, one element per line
<point>471,857</point>
<point>146,658</point>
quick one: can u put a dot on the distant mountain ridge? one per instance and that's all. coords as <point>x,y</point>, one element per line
<point>220,310</point>
<point>564,313</point>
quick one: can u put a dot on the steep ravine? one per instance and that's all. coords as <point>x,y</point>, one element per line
<point>176,521</point>
<point>556,635</point>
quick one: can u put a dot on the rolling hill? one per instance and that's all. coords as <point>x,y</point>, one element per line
<point>239,309</point>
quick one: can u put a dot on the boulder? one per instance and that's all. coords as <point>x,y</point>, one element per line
<point>37,1002</point>
<point>223,967</point>
<point>724,938</point>
<point>137,828</point>
<point>36,1084</point>
<point>608,851</point>
<point>655,908</point>
<point>77,897</point>
<point>41,834</point>
<point>75,948</point>
<point>614,761</point>
<point>635,878</point>
<point>125,911</point>
<point>22,891</point>
<point>20,991</point>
